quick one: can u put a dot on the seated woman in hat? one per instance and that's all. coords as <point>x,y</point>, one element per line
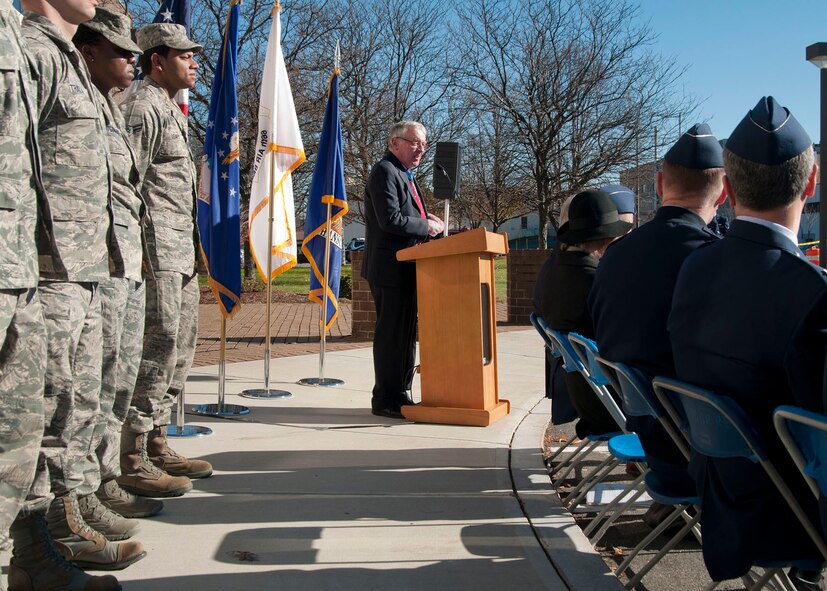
<point>592,225</point>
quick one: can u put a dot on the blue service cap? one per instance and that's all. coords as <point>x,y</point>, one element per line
<point>768,134</point>
<point>623,197</point>
<point>697,149</point>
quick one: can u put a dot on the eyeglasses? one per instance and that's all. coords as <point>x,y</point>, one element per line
<point>416,145</point>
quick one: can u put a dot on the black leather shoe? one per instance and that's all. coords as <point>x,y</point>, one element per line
<point>389,413</point>
<point>807,580</point>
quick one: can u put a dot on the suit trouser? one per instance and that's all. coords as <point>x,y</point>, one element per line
<point>72,393</point>
<point>394,343</point>
<point>22,367</point>
<point>122,309</point>
<point>170,331</point>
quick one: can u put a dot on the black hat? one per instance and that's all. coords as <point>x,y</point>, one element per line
<point>768,134</point>
<point>697,149</point>
<point>592,216</point>
<point>623,197</point>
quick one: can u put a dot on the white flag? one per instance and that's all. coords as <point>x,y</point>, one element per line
<point>279,149</point>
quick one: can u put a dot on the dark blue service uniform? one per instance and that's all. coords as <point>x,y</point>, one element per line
<point>749,321</point>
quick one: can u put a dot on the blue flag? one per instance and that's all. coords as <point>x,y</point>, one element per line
<point>218,196</point>
<point>327,188</point>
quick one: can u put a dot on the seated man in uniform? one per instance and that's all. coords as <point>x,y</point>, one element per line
<point>749,321</point>
<point>632,292</point>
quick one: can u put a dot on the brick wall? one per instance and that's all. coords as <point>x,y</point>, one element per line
<point>363,314</point>
<point>523,266</point>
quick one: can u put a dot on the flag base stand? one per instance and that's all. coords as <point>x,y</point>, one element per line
<point>180,429</point>
<point>265,394</point>
<point>326,382</point>
<point>220,410</point>
<point>188,431</point>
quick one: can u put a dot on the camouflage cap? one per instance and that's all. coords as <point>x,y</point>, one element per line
<point>115,28</point>
<point>165,35</point>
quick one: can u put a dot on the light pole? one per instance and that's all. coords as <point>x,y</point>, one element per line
<point>817,55</point>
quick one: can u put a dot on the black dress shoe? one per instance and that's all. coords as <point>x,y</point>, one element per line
<point>390,413</point>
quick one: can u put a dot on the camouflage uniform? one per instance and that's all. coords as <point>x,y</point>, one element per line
<point>77,183</point>
<point>122,304</point>
<point>158,132</point>
<point>22,330</point>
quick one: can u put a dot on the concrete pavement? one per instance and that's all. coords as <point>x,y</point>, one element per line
<point>314,492</point>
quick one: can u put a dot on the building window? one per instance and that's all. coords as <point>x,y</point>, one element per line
<point>524,222</point>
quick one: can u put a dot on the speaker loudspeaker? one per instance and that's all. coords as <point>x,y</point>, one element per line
<point>447,159</point>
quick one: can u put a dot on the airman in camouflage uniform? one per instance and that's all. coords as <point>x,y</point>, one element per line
<point>158,130</point>
<point>77,182</point>
<point>22,331</point>
<point>107,47</point>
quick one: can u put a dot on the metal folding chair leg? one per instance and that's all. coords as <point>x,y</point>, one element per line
<point>549,460</point>
<point>664,550</point>
<point>635,484</point>
<point>579,492</point>
<point>577,457</point>
<point>661,527</point>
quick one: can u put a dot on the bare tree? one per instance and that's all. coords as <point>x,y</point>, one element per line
<point>497,188</point>
<point>396,64</point>
<point>576,80</point>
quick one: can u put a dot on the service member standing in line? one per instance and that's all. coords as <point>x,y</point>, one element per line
<point>106,45</point>
<point>76,181</point>
<point>158,133</point>
<point>35,562</point>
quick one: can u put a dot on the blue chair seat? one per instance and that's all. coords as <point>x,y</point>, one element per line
<point>627,448</point>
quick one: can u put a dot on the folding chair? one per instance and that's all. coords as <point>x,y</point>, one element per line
<point>623,447</point>
<point>804,434</point>
<point>561,346</point>
<point>541,327</point>
<point>639,400</point>
<point>718,427</point>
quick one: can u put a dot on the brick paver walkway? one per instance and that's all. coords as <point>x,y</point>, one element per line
<point>294,329</point>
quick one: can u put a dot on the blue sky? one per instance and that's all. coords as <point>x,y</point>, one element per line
<point>740,50</point>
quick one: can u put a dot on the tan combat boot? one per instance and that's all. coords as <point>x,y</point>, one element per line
<point>112,496</point>
<point>36,564</point>
<point>84,546</point>
<point>112,525</point>
<point>140,477</point>
<point>171,462</point>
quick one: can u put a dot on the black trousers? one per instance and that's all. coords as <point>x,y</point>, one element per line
<point>394,344</point>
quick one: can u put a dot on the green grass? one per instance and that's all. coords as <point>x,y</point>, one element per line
<point>501,278</point>
<point>295,280</point>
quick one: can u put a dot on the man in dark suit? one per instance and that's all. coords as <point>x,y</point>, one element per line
<point>395,218</point>
<point>632,293</point>
<point>749,321</point>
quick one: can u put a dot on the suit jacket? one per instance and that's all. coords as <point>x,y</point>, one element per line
<point>392,223</point>
<point>749,321</point>
<point>562,409</point>
<point>629,305</point>
<point>632,293</point>
<point>562,302</point>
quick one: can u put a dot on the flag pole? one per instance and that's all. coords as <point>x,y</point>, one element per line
<point>267,393</point>
<point>321,380</point>
<point>221,409</point>
<point>180,428</point>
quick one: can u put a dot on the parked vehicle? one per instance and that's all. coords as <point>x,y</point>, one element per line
<point>354,245</point>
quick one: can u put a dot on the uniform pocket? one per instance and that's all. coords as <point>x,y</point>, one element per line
<point>78,137</point>
<point>9,90</point>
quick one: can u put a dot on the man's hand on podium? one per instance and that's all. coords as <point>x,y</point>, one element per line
<point>435,225</point>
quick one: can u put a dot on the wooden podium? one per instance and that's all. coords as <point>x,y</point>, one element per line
<point>457,329</point>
